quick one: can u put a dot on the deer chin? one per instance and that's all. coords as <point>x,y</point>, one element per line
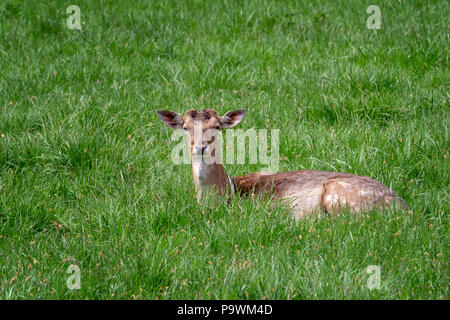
<point>201,160</point>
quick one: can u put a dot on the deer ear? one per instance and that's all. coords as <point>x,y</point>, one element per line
<point>232,118</point>
<point>171,119</point>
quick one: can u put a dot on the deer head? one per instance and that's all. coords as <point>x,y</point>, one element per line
<point>202,128</point>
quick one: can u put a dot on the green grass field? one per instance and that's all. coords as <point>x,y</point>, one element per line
<point>86,176</point>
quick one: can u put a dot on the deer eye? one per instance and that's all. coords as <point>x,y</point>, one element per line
<point>185,129</point>
<point>218,128</point>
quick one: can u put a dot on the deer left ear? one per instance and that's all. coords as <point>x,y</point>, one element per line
<point>171,119</point>
<point>232,118</point>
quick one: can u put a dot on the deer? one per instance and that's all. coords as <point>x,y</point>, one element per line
<point>307,192</point>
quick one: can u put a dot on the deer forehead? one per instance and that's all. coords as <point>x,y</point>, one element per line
<point>207,118</point>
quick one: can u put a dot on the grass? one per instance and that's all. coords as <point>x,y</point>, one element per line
<point>85,170</point>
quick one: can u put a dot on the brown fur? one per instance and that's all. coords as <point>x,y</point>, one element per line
<point>313,191</point>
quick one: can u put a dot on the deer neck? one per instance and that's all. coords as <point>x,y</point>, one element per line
<point>210,176</point>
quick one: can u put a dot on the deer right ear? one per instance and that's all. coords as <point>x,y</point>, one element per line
<point>232,118</point>
<point>171,119</point>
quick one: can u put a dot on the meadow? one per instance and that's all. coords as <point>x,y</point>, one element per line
<point>86,177</point>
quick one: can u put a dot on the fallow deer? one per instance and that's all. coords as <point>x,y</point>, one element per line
<point>306,191</point>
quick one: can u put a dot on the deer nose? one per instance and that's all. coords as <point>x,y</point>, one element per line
<point>200,149</point>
